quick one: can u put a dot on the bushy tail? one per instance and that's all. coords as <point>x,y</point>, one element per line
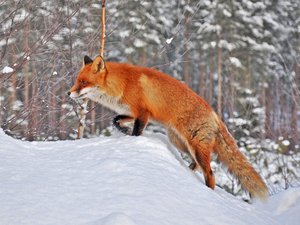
<point>229,154</point>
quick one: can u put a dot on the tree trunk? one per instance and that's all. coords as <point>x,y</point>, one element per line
<point>26,69</point>
<point>201,85</point>
<point>220,81</point>
<point>268,106</point>
<point>26,79</point>
<point>13,84</point>
<point>210,87</point>
<point>277,109</point>
<point>143,58</point>
<point>53,106</point>
<point>93,118</point>
<point>247,78</point>
<point>231,95</point>
<point>295,134</point>
<point>62,131</point>
<point>186,63</point>
<point>263,103</point>
<point>33,120</point>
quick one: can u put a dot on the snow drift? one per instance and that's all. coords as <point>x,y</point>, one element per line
<point>119,180</point>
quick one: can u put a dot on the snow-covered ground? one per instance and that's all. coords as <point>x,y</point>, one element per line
<point>120,180</point>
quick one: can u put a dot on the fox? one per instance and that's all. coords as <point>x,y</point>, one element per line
<point>140,94</point>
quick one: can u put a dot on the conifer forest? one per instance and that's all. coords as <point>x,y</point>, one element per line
<point>241,56</point>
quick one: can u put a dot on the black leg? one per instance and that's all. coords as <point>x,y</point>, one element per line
<point>193,165</point>
<point>118,119</point>
<point>138,127</point>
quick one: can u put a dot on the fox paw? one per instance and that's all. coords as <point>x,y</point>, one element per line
<point>193,166</point>
<point>124,130</point>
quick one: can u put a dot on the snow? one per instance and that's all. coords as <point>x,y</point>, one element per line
<point>235,62</point>
<point>227,13</point>
<point>227,45</point>
<point>152,37</point>
<point>286,142</point>
<point>17,105</point>
<point>169,40</point>
<point>285,207</point>
<point>238,121</point>
<point>139,43</point>
<point>120,180</point>
<point>124,34</point>
<point>7,69</point>
<point>5,42</point>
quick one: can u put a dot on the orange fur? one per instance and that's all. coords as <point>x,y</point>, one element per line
<point>144,93</point>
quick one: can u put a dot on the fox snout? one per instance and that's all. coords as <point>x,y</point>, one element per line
<point>73,93</point>
<point>81,93</point>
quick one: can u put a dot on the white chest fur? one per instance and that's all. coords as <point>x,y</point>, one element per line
<point>110,102</point>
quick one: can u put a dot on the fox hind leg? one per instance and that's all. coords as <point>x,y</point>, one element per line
<point>193,165</point>
<point>198,144</point>
<point>179,143</point>
<point>203,157</point>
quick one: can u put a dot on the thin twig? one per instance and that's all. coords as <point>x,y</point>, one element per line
<point>102,41</point>
<point>83,107</point>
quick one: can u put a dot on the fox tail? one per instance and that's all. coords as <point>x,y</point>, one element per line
<point>229,154</point>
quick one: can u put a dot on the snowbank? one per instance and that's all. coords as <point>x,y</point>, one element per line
<point>118,180</point>
<point>7,69</point>
<point>284,206</point>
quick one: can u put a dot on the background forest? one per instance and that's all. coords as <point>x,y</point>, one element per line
<point>242,56</point>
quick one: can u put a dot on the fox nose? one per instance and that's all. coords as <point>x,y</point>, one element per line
<point>69,92</point>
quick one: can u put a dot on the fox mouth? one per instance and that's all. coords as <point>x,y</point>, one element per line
<point>80,94</point>
<point>92,93</point>
<point>77,96</point>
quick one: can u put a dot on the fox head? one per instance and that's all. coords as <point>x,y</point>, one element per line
<point>90,80</point>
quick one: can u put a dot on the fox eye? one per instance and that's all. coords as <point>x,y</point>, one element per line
<point>83,82</point>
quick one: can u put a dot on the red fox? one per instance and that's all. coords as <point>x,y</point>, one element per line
<point>141,94</point>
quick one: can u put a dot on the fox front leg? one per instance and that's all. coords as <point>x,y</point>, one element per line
<point>118,123</point>
<point>138,126</point>
<point>140,123</point>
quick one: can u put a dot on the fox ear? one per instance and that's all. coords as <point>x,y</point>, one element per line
<point>98,64</point>
<point>87,60</point>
